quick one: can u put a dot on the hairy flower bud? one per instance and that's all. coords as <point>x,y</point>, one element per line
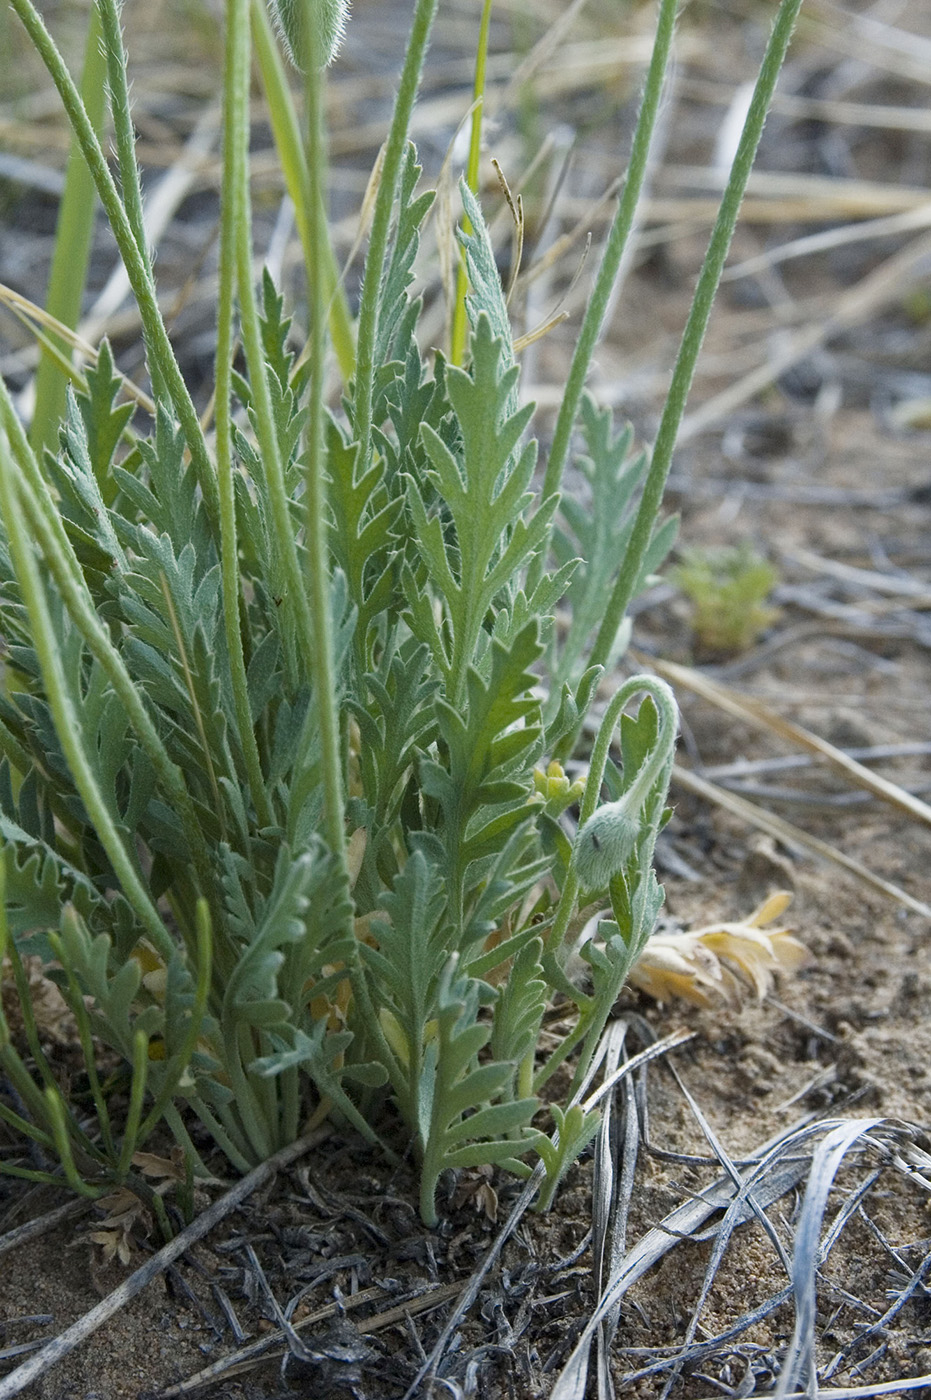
<point>310,30</point>
<point>605,843</point>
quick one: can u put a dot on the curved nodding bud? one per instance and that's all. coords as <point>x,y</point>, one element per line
<point>605,843</point>
<point>310,30</point>
<point>606,839</point>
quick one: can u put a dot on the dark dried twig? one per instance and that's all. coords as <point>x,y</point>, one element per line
<point>32,1229</point>
<point>73,1336</point>
<point>247,1358</point>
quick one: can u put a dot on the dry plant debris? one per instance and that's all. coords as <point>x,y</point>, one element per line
<point>719,962</point>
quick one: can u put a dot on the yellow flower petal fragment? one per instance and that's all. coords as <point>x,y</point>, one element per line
<point>720,962</point>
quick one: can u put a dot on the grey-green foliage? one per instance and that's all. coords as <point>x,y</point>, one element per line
<point>597,532</point>
<point>425,983</point>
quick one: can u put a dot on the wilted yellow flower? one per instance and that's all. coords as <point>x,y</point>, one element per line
<point>720,962</point>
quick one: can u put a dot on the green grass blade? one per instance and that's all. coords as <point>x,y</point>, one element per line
<point>460,327</point>
<point>71,254</point>
<point>381,224</point>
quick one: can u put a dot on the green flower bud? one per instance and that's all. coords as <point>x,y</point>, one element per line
<point>605,843</point>
<point>310,29</point>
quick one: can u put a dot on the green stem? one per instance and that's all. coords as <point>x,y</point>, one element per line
<point>193,1158</point>
<point>182,1058</point>
<point>643,782</point>
<point>600,297</point>
<point>32,1097</point>
<point>140,1070</point>
<point>287,134</point>
<point>74,595</point>
<point>460,320</point>
<point>239,1052</point>
<point>158,345</point>
<point>381,226</point>
<point>229,548</point>
<point>86,1037</point>
<point>694,332</point>
<point>67,723</point>
<point>564,1049</point>
<point>324,670</point>
<point>237,82</point>
<point>73,234</point>
<point>56,1114</point>
<point>130,184</point>
<point>25,1129</point>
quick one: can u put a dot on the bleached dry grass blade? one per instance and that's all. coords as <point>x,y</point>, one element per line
<point>756,712</point>
<point>915,590</point>
<point>736,1214</point>
<point>769,1179</point>
<point>873,40</point>
<point>879,115</point>
<point>832,238</point>
<point>886,284</point>
<point>778,1168</point>
<point>793,837</point>
<point>612,1187</point>
<point>34,316</point>
<point>826,1162</point>
<point>160,209</point>
<point>824,196</point>
<point>859,1392</point>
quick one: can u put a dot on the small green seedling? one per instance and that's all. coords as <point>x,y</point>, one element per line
<point>727,589</point>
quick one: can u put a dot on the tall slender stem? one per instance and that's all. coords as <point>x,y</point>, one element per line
<point>296,600</point>
<point>158,346</point>
<point>229,550</point>
<point>460,320</point>
<point>621,228</point>
<point>325,679</point>
<point>109,11</point>
<point>694,332</point>
<point>287,133</point>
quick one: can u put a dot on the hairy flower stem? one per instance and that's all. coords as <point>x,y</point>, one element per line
<point>694,333</point>
<point>131,188</point>
<point>229,551</point>
<point>600,297</point>
<point>290,147</point>
<point>158,346</point>
<point>636,793</point>
<point>280,506</point>
<point>317,532</point>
